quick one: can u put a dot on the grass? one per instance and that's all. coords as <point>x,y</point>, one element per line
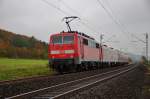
<point>20,68</point>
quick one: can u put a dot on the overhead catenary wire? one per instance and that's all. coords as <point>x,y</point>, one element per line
<point>122,24</point>
<point>116,20</point>
<point>123,31</point>
<point>114,14</point>
<point>54,6</point>
<point>87,26</point>
<point>67,6</point>
<point>112,17</point>
<point>133,35</point>
<point>65,13</point>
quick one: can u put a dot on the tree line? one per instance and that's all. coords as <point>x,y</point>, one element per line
<point>19,46</point>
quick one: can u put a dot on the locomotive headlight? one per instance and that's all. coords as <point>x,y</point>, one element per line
<point>69,51</point>
<point>55,52</point>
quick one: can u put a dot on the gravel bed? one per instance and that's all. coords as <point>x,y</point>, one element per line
<point>146,85</point>
<point>15,87</point>
<point>126,86</point>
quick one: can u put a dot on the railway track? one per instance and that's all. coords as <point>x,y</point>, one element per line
<point>15,87</point>
<point>65,89</point>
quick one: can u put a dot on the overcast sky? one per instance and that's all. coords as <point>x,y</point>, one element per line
<point>120,20</point>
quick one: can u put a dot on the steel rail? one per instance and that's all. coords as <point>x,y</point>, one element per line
<point>36,92</point>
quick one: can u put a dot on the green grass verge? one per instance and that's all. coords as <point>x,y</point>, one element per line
<point>20,68</point>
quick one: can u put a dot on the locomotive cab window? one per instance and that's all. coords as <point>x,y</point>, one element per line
<point>57,39</point>
<point>68,39</point>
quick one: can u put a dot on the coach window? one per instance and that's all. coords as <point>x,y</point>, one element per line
<point>85,41</point>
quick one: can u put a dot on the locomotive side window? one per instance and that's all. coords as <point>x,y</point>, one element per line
<point>97,45</point>
<point>68,40</point>
<point>89,43</point>
<point>85,41</point>
<point>92,44</point>
<point>57,39</point>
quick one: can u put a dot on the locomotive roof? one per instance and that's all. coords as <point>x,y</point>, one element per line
<point>80,33</point>
<point>86,36</point>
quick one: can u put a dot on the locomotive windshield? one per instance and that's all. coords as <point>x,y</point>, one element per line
<point>63,39</point>
<point>57,39</point>
<point>68,40</point>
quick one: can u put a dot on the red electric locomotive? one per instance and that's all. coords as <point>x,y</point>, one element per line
<point>70,51</point>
